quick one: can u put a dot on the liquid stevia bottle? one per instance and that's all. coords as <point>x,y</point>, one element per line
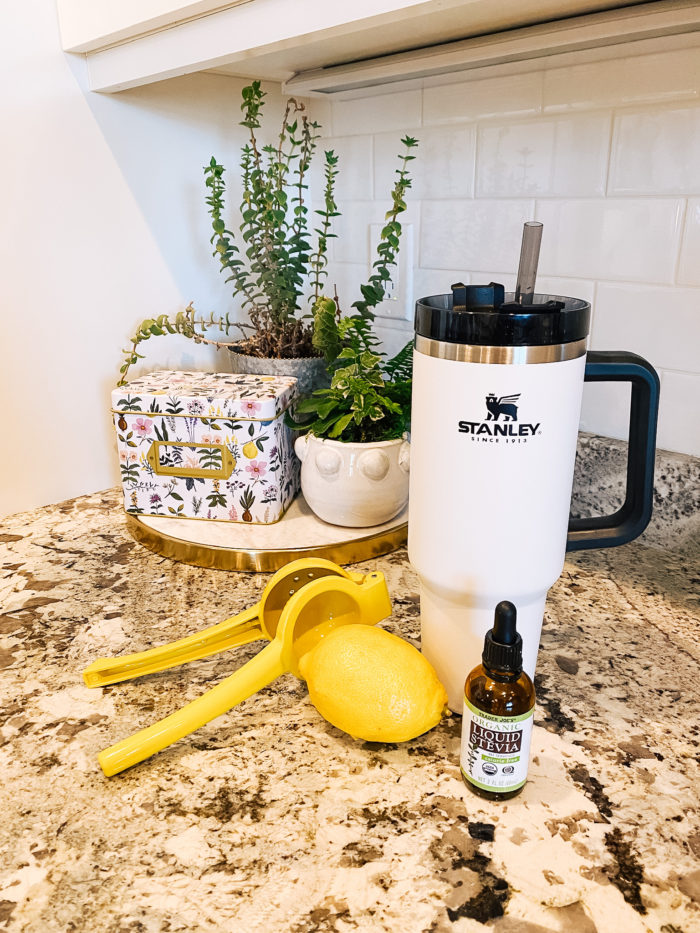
<point>499,705</point>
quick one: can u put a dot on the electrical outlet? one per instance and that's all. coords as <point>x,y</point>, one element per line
<point>398,292</point>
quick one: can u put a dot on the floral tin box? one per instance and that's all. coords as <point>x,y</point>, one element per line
<point>206,445</point>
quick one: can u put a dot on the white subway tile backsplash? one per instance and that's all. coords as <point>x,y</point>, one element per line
<point>352,229</point>
<point>679,418</point>
<point>351,241</point>
<point>605,409</point>
<point>689,264</point>
<point>619,239</point>
<point>346,278</point>
<point>354,180</point>
<point>377,114</point>
<point>472,234</point>
<point>437,281</point>
<point>545,285</point>
<point>320,110</point>
<point>661,324</point>
<point>394,335</point>
<point>505,277</point>
<point>656,152</point>
<point>443,166</point>
<point>560,156</point>
<point>663,76</point>
<point>569,288</point>
<point>511,95</point>
<point>606,155</point>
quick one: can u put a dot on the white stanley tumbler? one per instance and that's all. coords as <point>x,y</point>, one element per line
<point>497,387</point>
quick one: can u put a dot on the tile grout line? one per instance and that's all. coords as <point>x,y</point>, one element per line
<point>612,129</point>
<point>681,238</point>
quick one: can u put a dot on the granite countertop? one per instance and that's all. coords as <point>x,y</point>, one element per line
<point>270,819</point>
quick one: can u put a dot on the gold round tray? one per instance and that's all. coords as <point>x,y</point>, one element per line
<point>264,548</point>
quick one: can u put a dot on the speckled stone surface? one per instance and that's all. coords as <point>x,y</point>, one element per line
<point>270,819</point>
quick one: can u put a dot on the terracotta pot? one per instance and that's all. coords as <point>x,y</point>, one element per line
<point>354,485</point>
<point>310,372</point>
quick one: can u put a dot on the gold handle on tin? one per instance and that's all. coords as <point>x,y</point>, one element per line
<point>228,464</point>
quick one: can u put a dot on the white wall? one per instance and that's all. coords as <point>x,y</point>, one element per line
<point>607,155</point>
<point>104,224</point>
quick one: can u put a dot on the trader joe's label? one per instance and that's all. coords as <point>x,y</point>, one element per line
<point>495,749</point>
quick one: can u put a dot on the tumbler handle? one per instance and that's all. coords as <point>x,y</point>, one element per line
<point>633,516</point>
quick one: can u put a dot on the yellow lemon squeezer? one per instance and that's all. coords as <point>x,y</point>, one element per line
<point>301,604</point>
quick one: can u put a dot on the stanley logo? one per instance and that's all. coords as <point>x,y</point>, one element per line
<point>492,430</point>
<point>505,406</point>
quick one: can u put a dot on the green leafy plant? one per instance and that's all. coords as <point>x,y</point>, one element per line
<point>390,237</point>
<point>184,322</point>
<point>369,398</point>
<point>271,261</point>
<point>271,274</point>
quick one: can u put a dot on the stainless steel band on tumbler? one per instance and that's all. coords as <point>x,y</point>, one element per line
<point>472,353</point>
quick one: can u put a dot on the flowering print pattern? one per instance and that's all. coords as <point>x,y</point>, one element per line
<point>230,426</point>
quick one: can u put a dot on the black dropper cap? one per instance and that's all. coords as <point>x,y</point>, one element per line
<point>503,646</point>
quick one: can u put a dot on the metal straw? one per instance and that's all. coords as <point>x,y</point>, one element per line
<point>529,257</point>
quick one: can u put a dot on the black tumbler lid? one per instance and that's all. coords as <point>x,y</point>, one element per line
<point>503,646</point>
<point>484,315</point>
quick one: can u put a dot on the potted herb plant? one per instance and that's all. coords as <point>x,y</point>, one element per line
<point>271,260</point>
<point>355,456</point>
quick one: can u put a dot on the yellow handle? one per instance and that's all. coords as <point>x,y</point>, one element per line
<point>228,464</point>
<point>238,630</point>
<point>265,667</point>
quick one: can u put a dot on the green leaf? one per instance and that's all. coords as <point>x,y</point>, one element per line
<point>306,405</point>
<point>369,293</point>
<point>325,408</point>
<point>369,360</point>
<point>341,425</point>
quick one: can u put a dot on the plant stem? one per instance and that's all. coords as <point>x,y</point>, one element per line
<point>185,323</point>
<point>318,260</point>
<point>373,292</point>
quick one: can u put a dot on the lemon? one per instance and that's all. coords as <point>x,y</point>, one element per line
<point>373,685</point>
<point>250,450</point>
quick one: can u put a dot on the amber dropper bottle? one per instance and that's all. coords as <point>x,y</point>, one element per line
<point>499,705</point>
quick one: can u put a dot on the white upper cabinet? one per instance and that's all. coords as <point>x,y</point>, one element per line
<point>327,45</point>
<point>88,25</point>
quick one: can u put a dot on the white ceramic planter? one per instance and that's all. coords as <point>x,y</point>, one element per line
<point>355,485</point>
